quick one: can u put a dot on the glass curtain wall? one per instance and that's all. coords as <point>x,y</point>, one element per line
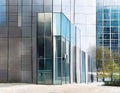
<point>61,48</point>
<point>44,48</point>
<point>15,44</point>
<point>57,48</point>
<point>83,68</point>
<point>108,15</point>
<point>90,69</point>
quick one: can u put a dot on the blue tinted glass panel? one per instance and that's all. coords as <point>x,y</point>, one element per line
<point>114,36</point>
<point>106,16</point>
<point>114,43</point>
<point>106,36</point>
<point>2,2</point>
<point>106,23</point>
<point>114,9</point>
<point>2,12</point>
<point>99,29</point>
<point>65,27</point>
<point>56,24</point>
<point>114,29</point>
<point>106,10</point>
<point>68,30</point>
<point>106,30</point>
<point>2,9</point>
<point>57,79</point>
<point>99,16</point>
<point>99,23</point>
<point>2,20</point>
<point>114,23</point>
<point>114,15</point>
<point>64,21</point>
<point>99,36</point>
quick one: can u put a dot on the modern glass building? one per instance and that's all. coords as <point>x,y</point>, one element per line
<point>54,54</point>
<point>108,36</point>
<point>40,42</point>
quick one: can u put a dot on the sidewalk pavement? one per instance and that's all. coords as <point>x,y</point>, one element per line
<point>68,88</point>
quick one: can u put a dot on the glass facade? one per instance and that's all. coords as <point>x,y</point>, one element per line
<point>15,42</point>
<point>44,44</point>
<point>108,34</point>
<point>83,68</point>
<point>55,64</point>
<point>63,40</point>
<point>40,41</point>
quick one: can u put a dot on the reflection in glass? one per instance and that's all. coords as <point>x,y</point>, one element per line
<point>2,12</point>
<point>57,58</point>
<point>83,72</point>
<point>67,62</point>
<point>57,79</point>
<point>63,61</point>
<point>2,2</point>
<point>44,48</point>
<point>56,24</point>
<point>65,27</point>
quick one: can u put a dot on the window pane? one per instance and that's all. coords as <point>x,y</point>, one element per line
<point>12,9</point>
<point>56,23</point>
<point>2,12</point>
<point>47,24</point>
<point>48,47</point>
<point>26,46</point>
<point>13,2</point>
<point>114,23</point>
<point>2,20</point>
<point>37,2</point>
<point>114,16</point>
<point>47,2</point>
<point>26,31</point>
<point>47,8</point>
<point>65,27</point>
<point>26,9</point>
<point>57,47</point>
<point>48,64</point>
<point>106,16</point>
<point>106,23</point>
<point>40,64</point>
<point>38,8</point>
<point>114,29</point>
<point>27,2</point>
<point>57,71</point>
<point>40,24</point>
<point>2,2</point>
<point>48,36</point>
<point>2,9</point>
<point>40,47</point>
<point>106,30</point>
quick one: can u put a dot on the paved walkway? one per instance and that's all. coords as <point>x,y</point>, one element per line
<point>74,88</point>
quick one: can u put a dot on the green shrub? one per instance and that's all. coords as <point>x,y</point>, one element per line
<point>112,83</point>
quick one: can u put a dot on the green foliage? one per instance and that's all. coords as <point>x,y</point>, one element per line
<point>108,64</point>
<point>112,83</point>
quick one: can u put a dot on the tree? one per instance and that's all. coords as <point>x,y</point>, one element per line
<point>107,63</point>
